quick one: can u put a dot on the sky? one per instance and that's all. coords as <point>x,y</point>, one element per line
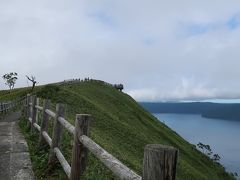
<point>160,50</point>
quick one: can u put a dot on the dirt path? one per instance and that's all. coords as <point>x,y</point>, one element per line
<point>14,157</point>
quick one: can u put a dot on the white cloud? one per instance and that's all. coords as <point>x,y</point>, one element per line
<point>150,46</point>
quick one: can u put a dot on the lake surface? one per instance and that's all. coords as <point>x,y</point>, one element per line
<point>222,135</point>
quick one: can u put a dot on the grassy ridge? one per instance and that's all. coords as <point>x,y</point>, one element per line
<point>123,128</point>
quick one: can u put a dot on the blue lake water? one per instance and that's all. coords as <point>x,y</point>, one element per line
<point>222,135</point>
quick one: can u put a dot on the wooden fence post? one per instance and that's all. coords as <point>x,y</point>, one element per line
<point>160,162</point>
<point>56,136</point>
<point>28,106</point>
<point>79,154</point>
<point>44,124</point>
<point>12,104</point>
<point>5,107</point>
<point>34,111</point>
<point>37,111</point>
<point>29,110</point>
<point>1,107</point>
<point>23,104</point>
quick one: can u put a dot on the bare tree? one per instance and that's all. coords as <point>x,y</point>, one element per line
<point>33,80</point>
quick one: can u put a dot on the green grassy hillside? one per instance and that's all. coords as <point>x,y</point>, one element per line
<point>120,126</point>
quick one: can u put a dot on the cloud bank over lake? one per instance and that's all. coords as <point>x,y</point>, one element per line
<point>174,50</point>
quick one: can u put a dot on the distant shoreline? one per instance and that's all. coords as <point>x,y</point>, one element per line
<point>205,109</point>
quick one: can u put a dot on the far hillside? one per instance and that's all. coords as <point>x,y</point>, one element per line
<point>122,127</point>
<point>206,109</point>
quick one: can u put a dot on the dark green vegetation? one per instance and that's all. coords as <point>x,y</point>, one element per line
<point>208,110</point>
<point>119,125</point>
<point>10,79</point>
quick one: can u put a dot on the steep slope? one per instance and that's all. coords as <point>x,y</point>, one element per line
<point>123,128</point>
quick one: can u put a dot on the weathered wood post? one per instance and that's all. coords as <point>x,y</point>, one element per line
<point>24,107</point>
<point>1,107</point>
<point>23,102</point>
<point>37,112</point>
<point>160,162</point>
<point>12,104</point>
<point>44,124</point>
<point>34,111</point>
<point>79,154</point>
<point>4,110</point>
<point>30,110</point>
<point>28,106</point>
<point>5,107</point>
<point>57,130</point>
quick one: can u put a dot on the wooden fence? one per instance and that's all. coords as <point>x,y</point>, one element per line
<point>159,160</point>
<point>7,106</point>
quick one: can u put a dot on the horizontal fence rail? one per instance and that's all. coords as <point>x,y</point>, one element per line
<point>111,162</point>
<point>159,160</point>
